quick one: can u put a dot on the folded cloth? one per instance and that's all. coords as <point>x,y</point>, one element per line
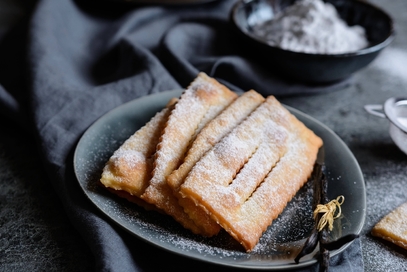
<point>84,58</point>
<point>214,46</point>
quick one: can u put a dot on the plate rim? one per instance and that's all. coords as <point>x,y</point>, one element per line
<point>176,92</point>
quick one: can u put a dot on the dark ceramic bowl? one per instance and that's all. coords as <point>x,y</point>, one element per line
<point>314,68</point>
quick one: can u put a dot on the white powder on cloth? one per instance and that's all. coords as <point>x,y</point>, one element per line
<point>312,26</point>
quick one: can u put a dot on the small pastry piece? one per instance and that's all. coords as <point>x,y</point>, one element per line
<point>246,180</point>
<point>129,168</point>
<point>393,227</point>
<point>206,139</point>
<point>204,99</point>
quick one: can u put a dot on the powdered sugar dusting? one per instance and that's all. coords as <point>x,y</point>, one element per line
<point>312,26</point>
<point>264,159</point>
<point>245,209</point>
<point>129,157</point>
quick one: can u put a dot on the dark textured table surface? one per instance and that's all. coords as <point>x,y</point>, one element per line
<point>36,234</point>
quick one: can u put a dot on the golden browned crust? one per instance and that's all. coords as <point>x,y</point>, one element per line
<point>129,168</point>
<point>209,136</point>
<point>213,132</point>
<point>246,180</point>
<point>393,227</point>
<point>204,99</point>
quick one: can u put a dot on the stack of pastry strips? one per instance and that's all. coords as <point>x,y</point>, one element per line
<point>216,160</point>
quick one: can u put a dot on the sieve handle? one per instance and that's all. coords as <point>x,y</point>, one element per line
<point>376,110</point>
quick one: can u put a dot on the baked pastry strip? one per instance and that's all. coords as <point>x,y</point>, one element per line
<point>246,205</point>
<point>211,175</point>
<point>129,168</point>
<point>206,139</point>
<point>213,132</point>
<point>393,227</point>
<point>204,99</point>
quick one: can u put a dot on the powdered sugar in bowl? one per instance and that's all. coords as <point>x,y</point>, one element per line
<point>311,40</point>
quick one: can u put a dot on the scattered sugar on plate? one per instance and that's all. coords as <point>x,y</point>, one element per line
<point>281,240</point>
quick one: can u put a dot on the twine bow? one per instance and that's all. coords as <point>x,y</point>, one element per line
<point>328,211</point>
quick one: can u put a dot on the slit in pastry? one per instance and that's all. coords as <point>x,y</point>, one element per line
<point>247,206</point>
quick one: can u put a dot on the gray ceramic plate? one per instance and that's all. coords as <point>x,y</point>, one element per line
<point>279,244</point>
